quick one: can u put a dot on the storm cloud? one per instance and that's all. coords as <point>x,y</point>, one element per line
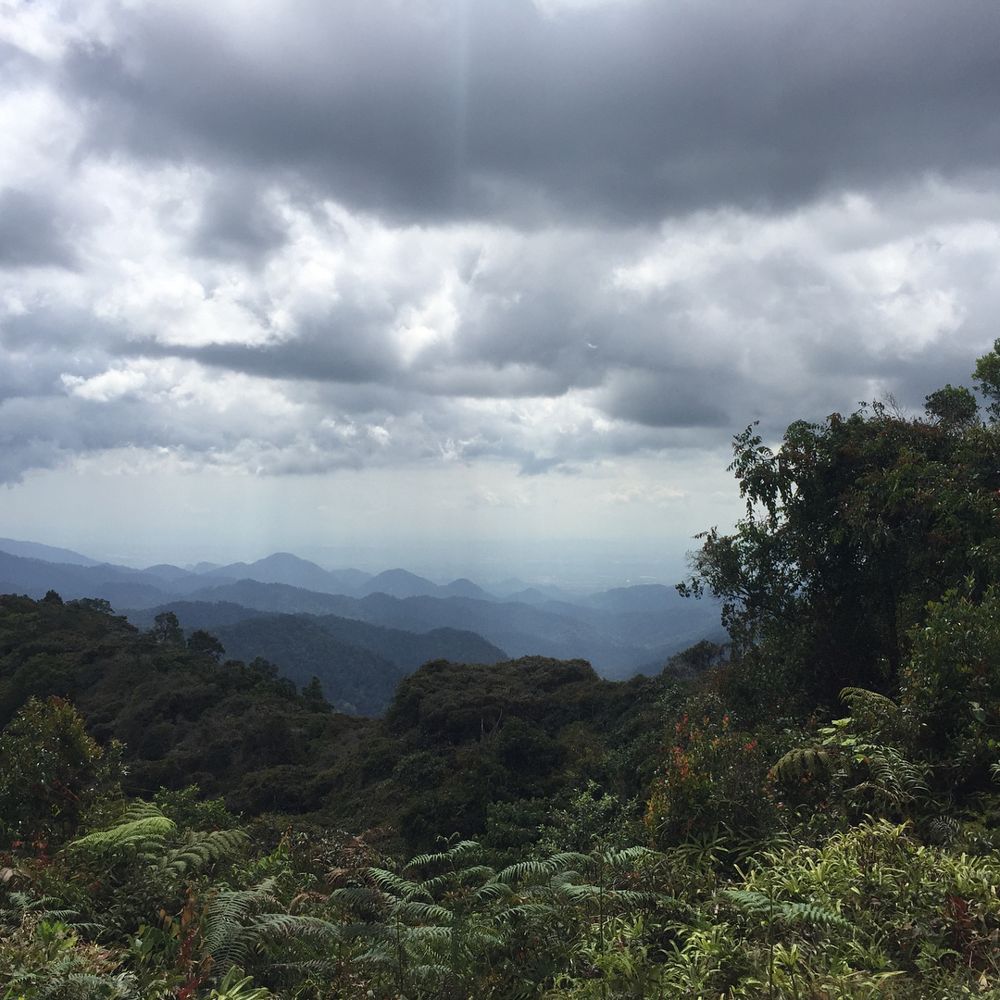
<point>301,237</point>
<point>628,111</point>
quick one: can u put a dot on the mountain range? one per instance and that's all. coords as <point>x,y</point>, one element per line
<point>358,632</point>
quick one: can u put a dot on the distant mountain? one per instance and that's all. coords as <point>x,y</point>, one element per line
<point>402,583</point>
<point>530,595</point>
<point>514,589</point>
<point>650,597</point>
<point>195,614</point>
<point>277,598</point>
<point>168,572</point>
<point>121,586</point>
<point>411,650</point>
<point>619,631</point>
<point>618,644</point>
<point>466,588</point>
<point>283,567</point>
<point>354,679</point>
<point>49,553</point>
<point>357,663</point>
<point>399,583</point>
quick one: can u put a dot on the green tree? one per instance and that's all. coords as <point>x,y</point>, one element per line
<point>851,527</point>
<point>952,407</point>
<point>51,772</point>
<point>987,379</point>
<point>205,644</point>
<point>313,693</point>
<point>167,630</point>
<point>951,684</point>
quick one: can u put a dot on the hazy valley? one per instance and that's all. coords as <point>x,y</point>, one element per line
<point>360,633</point>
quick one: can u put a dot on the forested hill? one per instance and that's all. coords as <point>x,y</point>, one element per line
<point>358,665</point>
<point>618,643</point>
<point>239,730</point>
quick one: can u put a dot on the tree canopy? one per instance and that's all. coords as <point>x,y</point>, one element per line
<point>852,525</point>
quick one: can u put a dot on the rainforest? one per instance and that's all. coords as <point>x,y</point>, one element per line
<point>809,809</point>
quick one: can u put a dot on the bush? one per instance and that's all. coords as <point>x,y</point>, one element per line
<point>51,772</point>
<point>712,776</point>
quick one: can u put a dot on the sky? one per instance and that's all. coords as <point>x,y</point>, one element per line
<point>479,286</point>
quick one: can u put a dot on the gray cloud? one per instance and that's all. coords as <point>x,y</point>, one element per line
<point>682,399</point>
<point>345,345</point>
<point>625,111</point>
<point>236,222</point>
<point>364,235</point>
<point>32,231</point>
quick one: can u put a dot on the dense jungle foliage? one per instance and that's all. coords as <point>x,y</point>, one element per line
<point>809,813</point>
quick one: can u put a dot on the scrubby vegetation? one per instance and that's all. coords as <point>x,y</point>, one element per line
<point>809,813</point>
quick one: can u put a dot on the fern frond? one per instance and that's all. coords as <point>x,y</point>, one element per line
<point>801,761</point>
<point>568,858</point>
<point>760,905</point>
<point>893,778</point>
<point>397,885</point>
<point>226,911</point>
<point>241,943</point>
<point>861,699</point>
<point>144,835</point>
<point>493,891</point>
<point>411,909</point>
<point>812,914</point>
<point>358,896</point>
<point>631,856</point>
<point>526,869</point>
<point>429,971</point>
<point>579,890</point>
<point>288,926</point>
<point>475,873</point>
<point>140,809</point>
<point>453,853</point>
<point>200,851</point>
<point>432,932</point>
<point>86,986</point>
<point>533,911</point>
<point>943,830</point>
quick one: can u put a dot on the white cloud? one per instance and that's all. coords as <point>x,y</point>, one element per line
<point>112,384</point>
<point>660,496</point>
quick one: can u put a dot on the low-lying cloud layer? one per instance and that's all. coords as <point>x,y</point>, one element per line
<point>299,237</point>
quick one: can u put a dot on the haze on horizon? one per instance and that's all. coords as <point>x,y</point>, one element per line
<point>460,285</point>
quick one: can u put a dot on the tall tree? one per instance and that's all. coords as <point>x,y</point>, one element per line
<point>852,526</point>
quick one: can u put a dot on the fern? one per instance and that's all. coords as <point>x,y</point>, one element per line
<point>224,915</point>
<point>893,779</point>
<point>871,704</point>
<point>199,851</point>
<point>526,869</point>
<point>141,837</point>
<point>630,856</point>
<point>86,986</point>
<point>816,762</point>
<point>454,853</point>
<point>390,882</point>
<point>240,924</point>
<point>758,904</point>
<point>943,830</point>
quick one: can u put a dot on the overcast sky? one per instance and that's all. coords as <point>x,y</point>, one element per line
<point>494,281</point>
